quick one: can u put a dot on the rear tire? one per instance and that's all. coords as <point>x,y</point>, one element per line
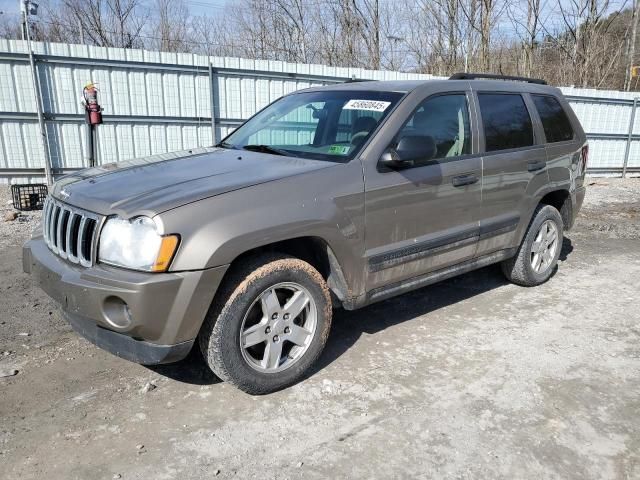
<point>539,251</point>
<point>268,324</point>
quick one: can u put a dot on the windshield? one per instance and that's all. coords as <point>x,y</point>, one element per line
<point>324,125</point>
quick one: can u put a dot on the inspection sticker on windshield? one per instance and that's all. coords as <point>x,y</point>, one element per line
<point>339,149</point>
<point>370,105</point>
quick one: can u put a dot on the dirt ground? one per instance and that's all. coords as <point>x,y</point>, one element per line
<point>470,378</point>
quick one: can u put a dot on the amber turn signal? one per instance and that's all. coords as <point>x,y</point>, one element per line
<point>167,250</point>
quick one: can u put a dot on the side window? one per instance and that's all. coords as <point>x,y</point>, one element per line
<point>443,119</point>
<point>506,121</point>
<point>556,124</point>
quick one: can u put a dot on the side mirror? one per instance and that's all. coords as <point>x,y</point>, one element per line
<point>410,149</point>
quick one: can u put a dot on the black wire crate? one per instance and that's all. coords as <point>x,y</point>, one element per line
<point>29,196</point>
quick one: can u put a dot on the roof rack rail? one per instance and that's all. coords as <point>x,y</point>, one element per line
<point>354,79</point>
<point>491,76</point>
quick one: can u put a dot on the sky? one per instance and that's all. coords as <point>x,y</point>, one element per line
<point>11,8</point>
<point>8,7</point>
<point>197,7</point>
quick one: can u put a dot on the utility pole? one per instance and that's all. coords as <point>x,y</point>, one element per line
<point>23,27</point>
<point>394,41</point>
<point>81,29</point>
<point>31,8</point>
<point>631,45</point>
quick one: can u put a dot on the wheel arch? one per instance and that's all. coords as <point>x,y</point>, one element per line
<point>560,199</point>
<point>314,250</point>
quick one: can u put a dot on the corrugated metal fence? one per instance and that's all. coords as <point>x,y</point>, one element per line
<point>157,102</point>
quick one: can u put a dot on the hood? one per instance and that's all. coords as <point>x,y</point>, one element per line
<point>151,185</point>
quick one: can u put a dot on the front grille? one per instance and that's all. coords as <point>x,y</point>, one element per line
<point>70,232</point>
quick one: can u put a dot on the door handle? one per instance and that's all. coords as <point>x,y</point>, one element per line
<point>463,180</point>
<point>533,166</point>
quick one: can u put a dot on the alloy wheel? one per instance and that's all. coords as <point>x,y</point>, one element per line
<point>278,327</point>
<point>544,247</point>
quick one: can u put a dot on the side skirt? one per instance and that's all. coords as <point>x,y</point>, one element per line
<point>388,291</point>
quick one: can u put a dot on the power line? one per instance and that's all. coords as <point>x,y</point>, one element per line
<point>206,5</point>
<point>246,49</point>
<point>75,28</point>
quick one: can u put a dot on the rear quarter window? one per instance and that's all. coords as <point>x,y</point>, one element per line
<point>555,123</point>
<point>506,121</point>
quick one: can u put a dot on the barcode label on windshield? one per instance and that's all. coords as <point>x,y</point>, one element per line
<point>370,105</point>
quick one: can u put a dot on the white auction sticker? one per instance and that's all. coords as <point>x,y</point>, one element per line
<point>370,105</point>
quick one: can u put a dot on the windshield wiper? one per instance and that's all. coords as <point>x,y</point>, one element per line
<point>265,149</point>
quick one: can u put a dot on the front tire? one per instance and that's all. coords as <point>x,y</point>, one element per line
<point>268,324</point>
<point>539,251</point>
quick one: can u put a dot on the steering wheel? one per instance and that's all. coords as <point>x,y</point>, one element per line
<point>358,137</point>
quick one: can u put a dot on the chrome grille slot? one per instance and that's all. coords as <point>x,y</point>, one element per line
<point>70,232</point>
<point>85,237</point>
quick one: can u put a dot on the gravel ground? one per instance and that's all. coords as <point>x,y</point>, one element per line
<point>469,378</point>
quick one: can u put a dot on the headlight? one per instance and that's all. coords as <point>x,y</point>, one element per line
<point>136,244</point>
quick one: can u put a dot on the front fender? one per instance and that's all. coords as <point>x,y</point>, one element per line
<point>328,204</point>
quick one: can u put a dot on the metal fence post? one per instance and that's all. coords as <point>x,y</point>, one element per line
<point>38,93</point>
<point>627,149</point>
<point>212,95</point>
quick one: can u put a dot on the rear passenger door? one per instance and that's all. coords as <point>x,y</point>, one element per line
<point>563,145</point>
<point>514,165</point>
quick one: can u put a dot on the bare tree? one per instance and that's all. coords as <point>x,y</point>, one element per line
<point>106,23</point>
<point>526,18</point>
<point>584,39</point>
<point>567,41</point>
<point>212,36</point>
<point>367,15</point>
<point>10,27</point>
<point>171,26</point>
<point>294,28</point>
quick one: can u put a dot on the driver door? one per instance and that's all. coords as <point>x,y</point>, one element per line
<point>424,217</point>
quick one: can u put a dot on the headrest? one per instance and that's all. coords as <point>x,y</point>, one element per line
<point>364,124</point>
<point>423,119</point>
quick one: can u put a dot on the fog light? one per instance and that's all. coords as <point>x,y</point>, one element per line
<point>116,312</point>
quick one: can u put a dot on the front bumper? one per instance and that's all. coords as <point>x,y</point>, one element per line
<point>148,318</point>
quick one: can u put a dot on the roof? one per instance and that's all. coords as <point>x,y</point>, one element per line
<point>379,85</point>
